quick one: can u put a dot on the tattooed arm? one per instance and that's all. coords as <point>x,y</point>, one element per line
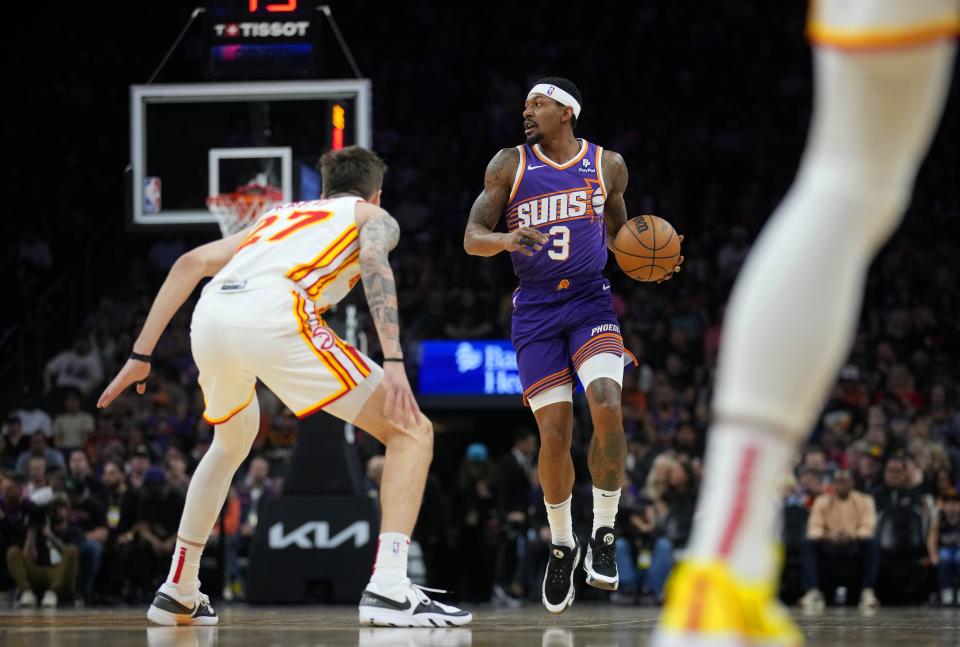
<point>615,178</point>
<point>479,239</point>
<point>379,234</point>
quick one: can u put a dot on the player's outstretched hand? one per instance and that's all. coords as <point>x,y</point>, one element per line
<point>400,406</point>
<point>134,371</point>
<point>525,240</point>
<point>676,267</point>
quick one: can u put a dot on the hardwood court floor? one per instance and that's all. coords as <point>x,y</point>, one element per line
<point>585,625</point>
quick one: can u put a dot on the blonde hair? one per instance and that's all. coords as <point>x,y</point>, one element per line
<point>658,478</point>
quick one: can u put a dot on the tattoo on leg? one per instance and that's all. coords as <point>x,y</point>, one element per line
<point>607,456</point>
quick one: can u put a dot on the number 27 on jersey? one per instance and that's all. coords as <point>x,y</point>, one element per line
<point>274,227</point>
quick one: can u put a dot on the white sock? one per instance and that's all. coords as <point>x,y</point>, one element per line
<point>184,568</point>
<point>738,514</point>
<point>561,522</point>
<point>205,496</point>
<point>391,564</point>
<point>605,504</point>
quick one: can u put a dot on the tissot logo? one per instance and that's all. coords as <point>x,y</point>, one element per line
<point>316,534</point>
<point>261,29</point>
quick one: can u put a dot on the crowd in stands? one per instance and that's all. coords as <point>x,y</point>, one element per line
<point>90,499</point>
<point>881,464</point>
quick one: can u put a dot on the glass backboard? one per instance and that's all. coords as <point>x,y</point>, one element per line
<point>190,141</point>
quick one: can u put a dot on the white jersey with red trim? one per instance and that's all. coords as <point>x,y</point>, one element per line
<point>260,316</point>
<point>314,244</point>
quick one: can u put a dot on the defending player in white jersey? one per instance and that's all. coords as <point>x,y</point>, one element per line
<point>260,317</point>
<point>882,68</point>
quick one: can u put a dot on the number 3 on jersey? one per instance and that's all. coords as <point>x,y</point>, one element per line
<point>297,219</point>
<point>562,243</point>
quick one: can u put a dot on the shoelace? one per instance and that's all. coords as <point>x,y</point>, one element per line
<point>205,599</point>
<point>421,592</point>
<point>603,555</point>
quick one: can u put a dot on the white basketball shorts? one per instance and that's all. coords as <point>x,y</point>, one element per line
<point>274,333</point>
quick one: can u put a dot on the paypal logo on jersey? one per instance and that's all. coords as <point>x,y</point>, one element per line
<point>469,367</point>
<point>468,357</point>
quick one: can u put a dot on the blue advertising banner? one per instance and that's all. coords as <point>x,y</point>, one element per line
<point>469,367</point>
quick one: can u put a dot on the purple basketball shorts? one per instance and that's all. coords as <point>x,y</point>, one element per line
<point>558,325</point>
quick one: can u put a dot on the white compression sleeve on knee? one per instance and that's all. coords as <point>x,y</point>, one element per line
<point>211,480</point>
<point>605,365</point>
<point>795,305</point>
<point>205,496</point>
<point>562,393</point>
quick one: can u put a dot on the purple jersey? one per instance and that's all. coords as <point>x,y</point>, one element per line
<point>565,201</point>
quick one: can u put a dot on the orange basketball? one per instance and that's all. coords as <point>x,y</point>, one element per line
<point>647,248</point>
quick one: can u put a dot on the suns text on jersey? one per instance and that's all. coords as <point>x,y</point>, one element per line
<point>559,206</point>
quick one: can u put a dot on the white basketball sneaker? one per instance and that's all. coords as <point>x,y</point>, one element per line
<point>407,605</point>
<point>167,609</point>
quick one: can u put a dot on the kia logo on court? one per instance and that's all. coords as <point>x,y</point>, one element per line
<point>323,338</point>
<point>316,534</point>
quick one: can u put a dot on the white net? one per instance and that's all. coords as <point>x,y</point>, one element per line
<point>239,209</point>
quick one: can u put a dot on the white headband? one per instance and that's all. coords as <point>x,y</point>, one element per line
<point>557,94</point>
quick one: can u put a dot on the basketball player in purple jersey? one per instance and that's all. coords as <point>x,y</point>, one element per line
<point>562,198</point>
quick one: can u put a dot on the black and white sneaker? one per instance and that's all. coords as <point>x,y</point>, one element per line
<point>407,605</point>
<point>167,610</point>
<point>600,562</point>
<point>558,589</point>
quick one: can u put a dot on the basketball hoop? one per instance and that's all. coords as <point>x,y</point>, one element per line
<point>239,209</point>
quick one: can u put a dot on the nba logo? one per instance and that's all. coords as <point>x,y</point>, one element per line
<point>550,90</point>
<point>151,195</point>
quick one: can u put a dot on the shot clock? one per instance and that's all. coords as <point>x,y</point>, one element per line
<point>256,9</point>
<point>290,6</point>
<point>264,39</point>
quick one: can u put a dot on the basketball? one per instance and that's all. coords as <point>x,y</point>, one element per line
<point>647,248</point>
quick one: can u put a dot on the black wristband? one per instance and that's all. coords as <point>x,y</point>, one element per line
<point>141,358</point>
<point>393,359</point>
